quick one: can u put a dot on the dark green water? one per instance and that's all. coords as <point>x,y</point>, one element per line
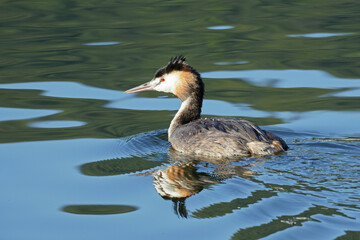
<point>82,160</point>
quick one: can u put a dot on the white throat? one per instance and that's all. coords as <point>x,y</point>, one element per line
<point>173,124</point>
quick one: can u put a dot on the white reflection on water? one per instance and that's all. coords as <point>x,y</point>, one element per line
<point>288,78</point>
<point>8,114</point>
<point>334,123</point>
<point>350,93</point>
<point>66,90</point>
<point>231,63</point>
<point>224,27</point>
<point>319,35</point>
<point>57,124</point>
<point>101,43</point>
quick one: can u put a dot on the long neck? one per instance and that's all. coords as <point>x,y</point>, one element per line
<point>190,110</point>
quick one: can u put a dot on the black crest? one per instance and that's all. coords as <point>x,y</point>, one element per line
<point>176,63</point>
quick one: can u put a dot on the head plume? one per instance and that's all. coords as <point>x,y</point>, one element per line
<point>175,64</point>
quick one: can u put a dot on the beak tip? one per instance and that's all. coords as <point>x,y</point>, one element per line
<point>141,88</point>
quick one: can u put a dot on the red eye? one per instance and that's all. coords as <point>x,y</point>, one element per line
<point>162,80</point>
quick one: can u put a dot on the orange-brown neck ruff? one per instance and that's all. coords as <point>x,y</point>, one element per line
<point>190,90</point>
<point>183,85</point>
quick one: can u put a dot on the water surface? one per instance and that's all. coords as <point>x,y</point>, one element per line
<point>83,160</point>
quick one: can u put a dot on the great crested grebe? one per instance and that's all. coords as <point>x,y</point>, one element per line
<point>211,137</point>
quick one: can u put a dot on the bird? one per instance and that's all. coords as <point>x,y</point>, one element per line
<point>219,137</point>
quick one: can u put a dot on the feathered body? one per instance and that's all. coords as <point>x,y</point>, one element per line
<point>225,137</point>
<point>210,137</point>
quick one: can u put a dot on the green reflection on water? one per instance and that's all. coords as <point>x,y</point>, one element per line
<point>284,222</point>
<point>98,209</point>
<point>118,166</point>
<point>50,47</point>
<point>220,209</point>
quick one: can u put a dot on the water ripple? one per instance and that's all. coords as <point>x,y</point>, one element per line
<point>287,78</point>
<point>101,43</point>
<point>319,35</point>
<point>56,124</point>
<point>221,27</point>
<point>11,114</point>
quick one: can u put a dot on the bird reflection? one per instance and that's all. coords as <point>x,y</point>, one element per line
<point>182,179</point>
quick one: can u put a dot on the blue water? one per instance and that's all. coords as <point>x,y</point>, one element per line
<point>314,187</point>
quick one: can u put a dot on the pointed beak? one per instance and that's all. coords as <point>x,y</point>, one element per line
<point>141,88</point>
